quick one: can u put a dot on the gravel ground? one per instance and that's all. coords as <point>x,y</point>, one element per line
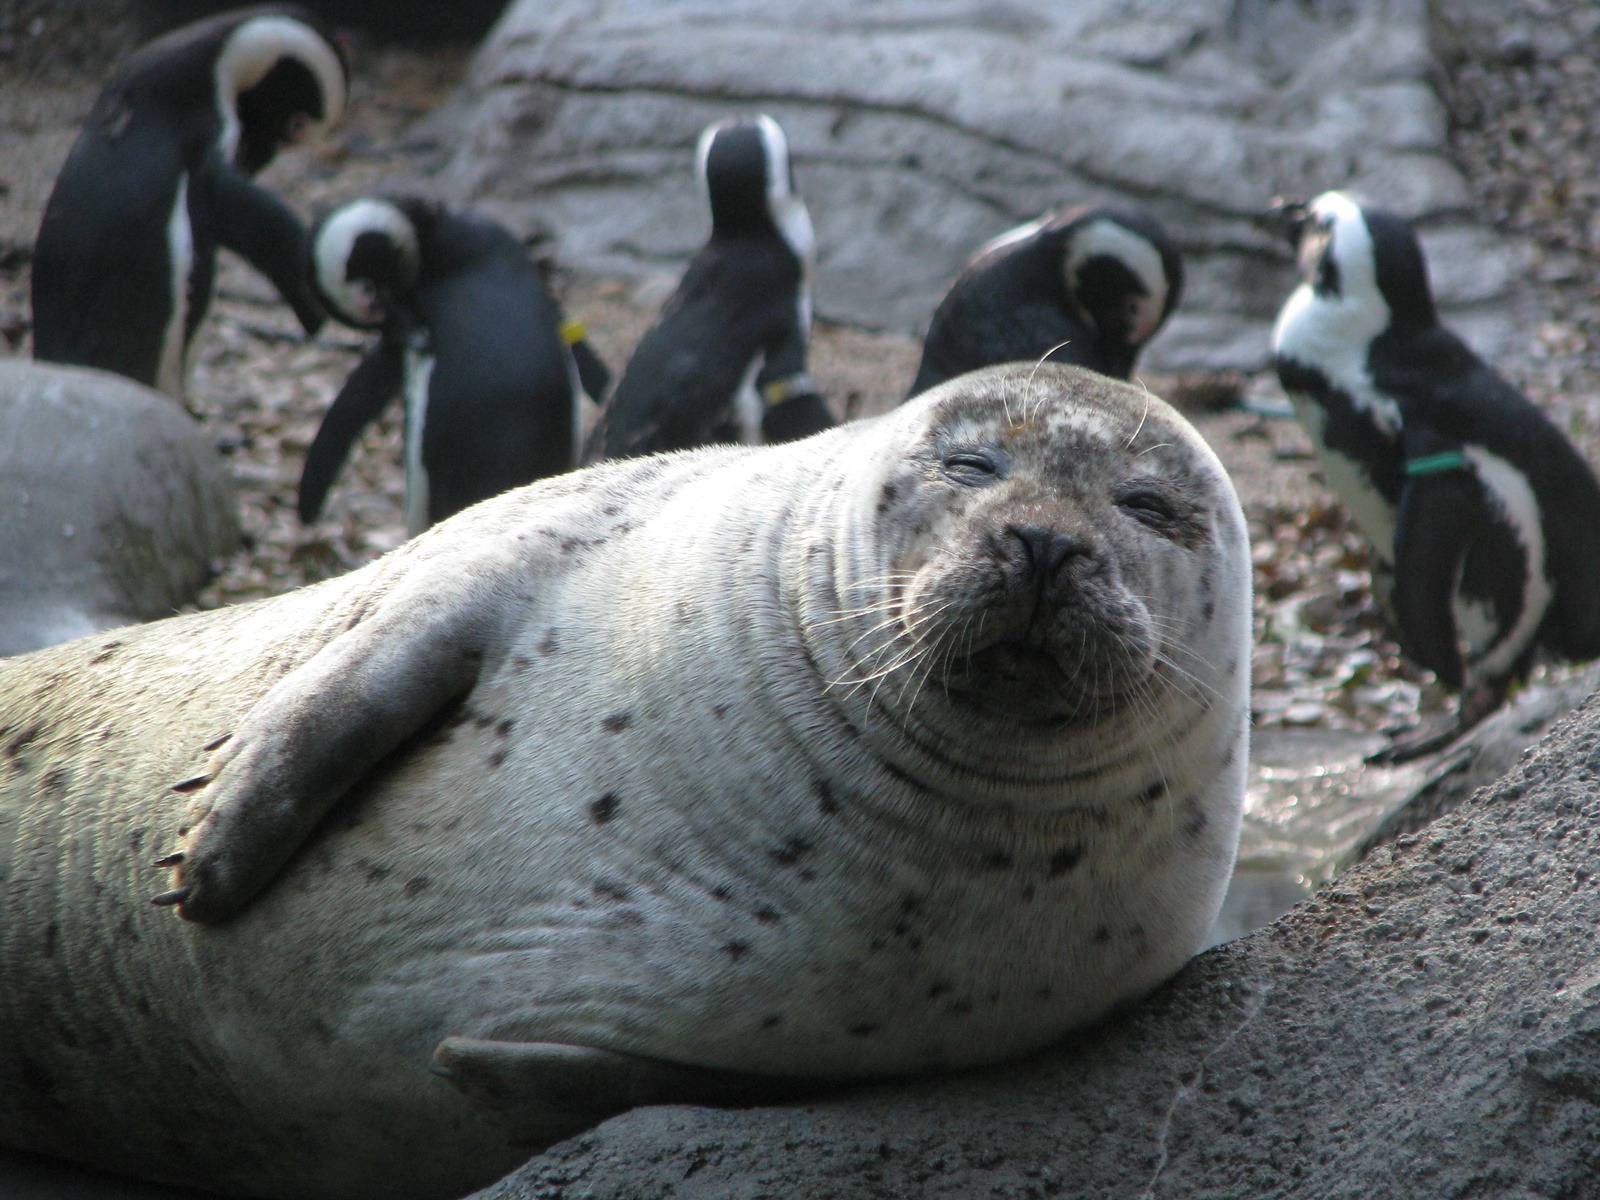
<point>1522,98</point>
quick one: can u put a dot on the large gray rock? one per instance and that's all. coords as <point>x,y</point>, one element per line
<point>116,508</point>
<point>919,128</point>
<point>1426,1025</point>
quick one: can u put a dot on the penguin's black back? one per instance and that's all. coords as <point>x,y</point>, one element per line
<point>500,402</point>
<point>736,184</point>
<point>155,119</point>
<point>1010,305</point>
<point>676,389</point>
<point>122,194</point>
<point>102,279</point>
<point>1443,386</point>
<point>1014,302</point>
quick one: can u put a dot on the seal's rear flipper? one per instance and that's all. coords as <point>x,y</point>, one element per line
<point>542,1092</point>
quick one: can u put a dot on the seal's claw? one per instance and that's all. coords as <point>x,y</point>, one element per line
<point>193,783</point>
<point>170,860</point>
<point>175,896</point>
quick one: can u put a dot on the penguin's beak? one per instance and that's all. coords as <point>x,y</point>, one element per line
<point>1285,218</point>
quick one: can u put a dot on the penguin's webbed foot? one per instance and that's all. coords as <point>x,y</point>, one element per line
<point>1477,702</point>
<point>1423,740</point>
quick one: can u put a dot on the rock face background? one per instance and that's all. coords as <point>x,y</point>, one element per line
<point>920,128</point>
<point>1427,1025</point>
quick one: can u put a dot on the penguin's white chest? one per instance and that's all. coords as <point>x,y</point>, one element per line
<point>1349,479</point>
<point>1332,336</point>
<point>173,364</point>
<point>747,404</point>
<point>418,371</point>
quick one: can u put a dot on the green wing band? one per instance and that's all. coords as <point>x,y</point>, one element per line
<point>1433,464</point>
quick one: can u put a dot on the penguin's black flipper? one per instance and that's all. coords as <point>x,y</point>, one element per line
<point>266,233</point>
<point>592,373</point>
<point>1438,517</point>
<point>371,385</point>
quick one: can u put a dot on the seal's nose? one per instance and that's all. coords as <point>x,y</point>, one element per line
<point>1045,550</point>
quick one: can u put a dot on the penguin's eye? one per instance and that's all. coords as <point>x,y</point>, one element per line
<point>295,128</point>
<point>975,468</point>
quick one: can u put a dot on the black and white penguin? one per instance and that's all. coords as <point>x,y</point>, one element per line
<point>494,381</point>
<point>1088,286</point>
<point>726,359</point>
<point>160,177</point>
<point>1486,515</point>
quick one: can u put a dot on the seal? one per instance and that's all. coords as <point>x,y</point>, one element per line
<point>906,747</point>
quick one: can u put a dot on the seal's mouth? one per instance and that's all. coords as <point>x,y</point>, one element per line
<point>1040,629</point>
<point>1065,677</point>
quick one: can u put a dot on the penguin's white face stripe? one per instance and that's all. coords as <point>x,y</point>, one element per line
<point>788,211</point>
<point>254,48</point>
<point>794,222</point>
<point>702,153</point>
<point>1332,332</point>
<point>1106,237</point>
<point>777,148</point>
<point>335,240</point>
<point>1510,493</point>
<point>1340,219</point>
<point>171,370</point>
<point>1011,236</point>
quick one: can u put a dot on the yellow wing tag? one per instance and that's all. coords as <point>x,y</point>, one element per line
<point>779,390</point>
<point>572,331</point>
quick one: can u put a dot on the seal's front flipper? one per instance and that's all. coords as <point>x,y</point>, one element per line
<point>542,1092</point>
<point>321,728</point>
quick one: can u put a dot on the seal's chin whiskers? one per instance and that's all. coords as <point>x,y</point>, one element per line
<point>897,651</point>
<point>1169,671</point>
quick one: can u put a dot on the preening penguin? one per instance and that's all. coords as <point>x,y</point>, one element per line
<point>160,177</point>
<point>726,359</point>
<point>469,334</point>
<point>1086,286</point>
<point>1486,513</point>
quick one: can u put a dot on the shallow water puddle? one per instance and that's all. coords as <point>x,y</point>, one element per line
<point>1309,801</point>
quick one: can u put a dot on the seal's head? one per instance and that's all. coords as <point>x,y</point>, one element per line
<point>1055,555</point>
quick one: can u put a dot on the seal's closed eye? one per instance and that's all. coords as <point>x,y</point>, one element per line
<point>975,467</point>
<point>1150,506</point>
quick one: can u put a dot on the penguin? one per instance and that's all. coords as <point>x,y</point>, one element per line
<point>494,381</point>
<point>1088,286</point>
<point>1481,514</point>
<point>726,359</point>
<point>160,176</point>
